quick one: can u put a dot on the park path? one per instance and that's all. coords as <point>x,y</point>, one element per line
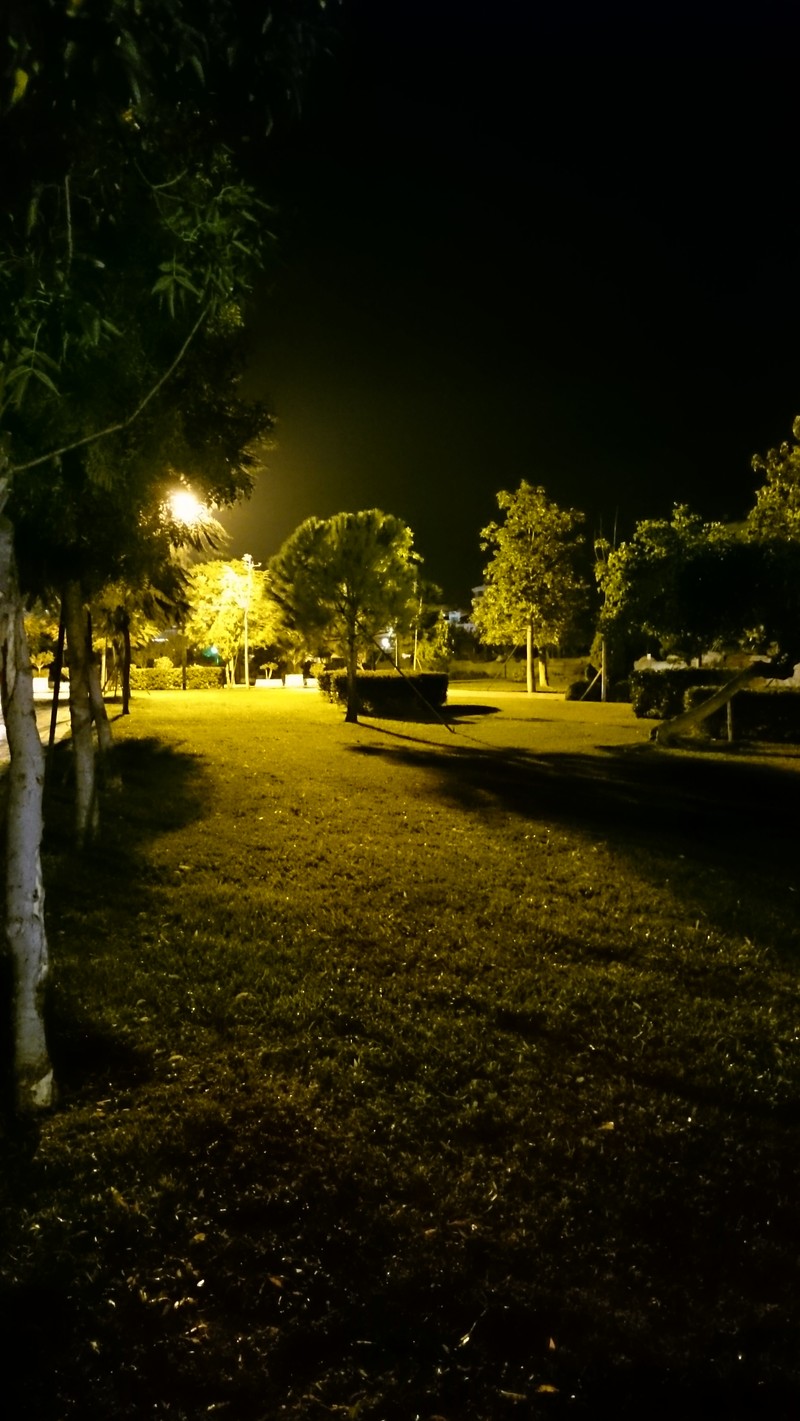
<point>43,721</point>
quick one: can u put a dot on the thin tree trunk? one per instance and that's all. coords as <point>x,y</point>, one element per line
<point>80,713</point>
<point>351,714</point>
<point>25,929</point>
<point>544,679</point>
<point>126,666</point>
<point>105,739</point>
<point>58,667</point>
<point>529,660</point>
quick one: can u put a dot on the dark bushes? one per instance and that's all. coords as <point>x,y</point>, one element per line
<point>387,693</point>
<point>662,694</point>
<point>773,716</point>
<point>170,678</point>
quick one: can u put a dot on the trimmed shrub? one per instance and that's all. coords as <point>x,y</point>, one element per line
<point>773,716</point>
<point>661,694</point>
<point>203,678</point>
<point>385,693</point>
<point>163,678</point>
<point>579,691</point>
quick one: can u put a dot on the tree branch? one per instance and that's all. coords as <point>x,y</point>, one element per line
<point>123,423</point>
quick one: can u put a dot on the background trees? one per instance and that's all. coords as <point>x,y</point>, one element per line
<point>344,580</point>
<point>671,588</point>
<point>534,586</point>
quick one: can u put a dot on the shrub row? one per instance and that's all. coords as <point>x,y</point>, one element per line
<point>757,715</point>
<point>662,694</point>
<point>170,678</point>
<point>386,692</point>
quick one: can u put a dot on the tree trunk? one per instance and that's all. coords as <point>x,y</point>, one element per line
<point>544,679</point>
<point>80,713</point>
<point>351,714</point>
<point>25,930</point>
<point>126,666</point>
<point>58,667</point>
<point>529,660</point>
<point>105,739</point>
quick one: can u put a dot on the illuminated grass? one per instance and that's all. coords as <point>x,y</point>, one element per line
<point>416,1073</point>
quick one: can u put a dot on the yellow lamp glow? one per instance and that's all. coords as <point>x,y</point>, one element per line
<point>185,507</point>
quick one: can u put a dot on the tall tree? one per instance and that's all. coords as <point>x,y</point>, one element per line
<point>344,580</point>
<point>120,181</point>
<point>534,587</point>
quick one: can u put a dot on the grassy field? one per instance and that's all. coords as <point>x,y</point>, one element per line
<point>414,1071</point>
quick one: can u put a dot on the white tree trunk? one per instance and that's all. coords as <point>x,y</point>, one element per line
<point>105,739</point>
<point>544,679</point>
<point>25,929</point>
<point>80,715</point>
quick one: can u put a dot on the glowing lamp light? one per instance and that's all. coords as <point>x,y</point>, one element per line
<point>185,507</point>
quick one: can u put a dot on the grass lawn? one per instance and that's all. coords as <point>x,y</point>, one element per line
<point>414,1071</point>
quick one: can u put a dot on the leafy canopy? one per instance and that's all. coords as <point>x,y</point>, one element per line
<point>343,580</point>
<point>533,579</point>
<point>777,507</point>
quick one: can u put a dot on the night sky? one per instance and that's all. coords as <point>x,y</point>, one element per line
<point>517,243</point>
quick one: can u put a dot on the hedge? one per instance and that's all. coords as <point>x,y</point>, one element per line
<point>386,692</point>
<point>662,694</point>
<point>170,678</point>
<point>773,716</point>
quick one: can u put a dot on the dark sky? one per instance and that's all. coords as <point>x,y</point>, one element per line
<point>527,243</point>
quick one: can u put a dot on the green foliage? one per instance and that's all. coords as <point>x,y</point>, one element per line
<point>776,513</point>
<point>662,694</point>
<point>387,692</point>
<point>129,240</point>
<point>686,587</point>
<point>533,578</point>
<point>170,678</point>
<point>340,582</point>
<point>670,586</point>
<point>219,593</point>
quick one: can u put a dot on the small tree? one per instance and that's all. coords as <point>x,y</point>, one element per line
<point>534,588</point>
<point>218,593</point>
<point>679,584</point>
<point>346,579</point>
<point>777,507</point>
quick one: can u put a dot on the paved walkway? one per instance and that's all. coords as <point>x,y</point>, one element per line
<point>43,722</point>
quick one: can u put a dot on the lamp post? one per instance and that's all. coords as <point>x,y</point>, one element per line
<point>248,562</point>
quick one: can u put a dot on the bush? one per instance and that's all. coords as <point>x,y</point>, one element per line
<point>773,716</point>
<point>579,691</point>
<point>661,694</point>
<point>163,678</point>
<point>387,693</point>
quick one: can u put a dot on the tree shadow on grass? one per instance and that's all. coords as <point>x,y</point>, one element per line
<point>730,826</point>
<point>162,789</point>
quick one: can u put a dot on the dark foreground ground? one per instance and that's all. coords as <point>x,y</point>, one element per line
<point>438,1071</point>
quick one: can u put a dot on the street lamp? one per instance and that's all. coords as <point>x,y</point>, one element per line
<point>186,507</point>
<point>248,562</point>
